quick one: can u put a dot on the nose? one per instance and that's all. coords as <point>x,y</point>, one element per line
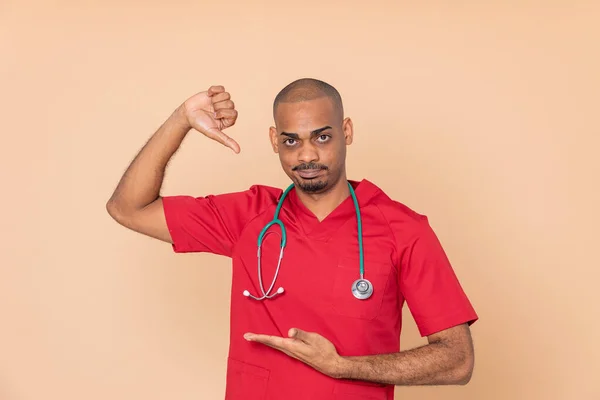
<point>308,154</point>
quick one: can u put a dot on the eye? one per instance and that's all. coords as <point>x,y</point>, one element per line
<point>289,142</point>
<point>324,138</point>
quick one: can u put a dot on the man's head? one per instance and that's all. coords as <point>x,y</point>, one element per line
<point>311,134</point>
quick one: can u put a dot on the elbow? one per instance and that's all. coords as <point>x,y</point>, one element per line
<point>464,372</point>
<point>112,209</point>
<point>116,211</point>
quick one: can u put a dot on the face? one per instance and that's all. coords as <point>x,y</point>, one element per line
<point>311,138</point>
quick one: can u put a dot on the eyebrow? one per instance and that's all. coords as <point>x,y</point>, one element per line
<point>312,133</point>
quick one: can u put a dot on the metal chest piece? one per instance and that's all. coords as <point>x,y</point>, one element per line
<point>362,289</point>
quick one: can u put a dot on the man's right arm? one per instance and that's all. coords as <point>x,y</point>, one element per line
<point>136,202</point>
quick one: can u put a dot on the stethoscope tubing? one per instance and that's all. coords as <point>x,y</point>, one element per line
<point>358,287</point>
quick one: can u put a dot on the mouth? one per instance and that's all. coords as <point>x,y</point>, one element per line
<point>310,173</point>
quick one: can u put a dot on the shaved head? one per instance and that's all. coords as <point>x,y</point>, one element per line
<point>307,89</point>
<point>311,134</point>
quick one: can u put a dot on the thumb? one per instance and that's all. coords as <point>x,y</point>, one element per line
<point>299,334</point>
<point>222,138</point>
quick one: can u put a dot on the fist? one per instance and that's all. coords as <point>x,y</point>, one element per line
<point>211,112</point>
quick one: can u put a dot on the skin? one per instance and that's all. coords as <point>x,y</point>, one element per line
<point>136,202</point>
<point>447,359</point>
<point>314,133</point>
<point>299,139</point>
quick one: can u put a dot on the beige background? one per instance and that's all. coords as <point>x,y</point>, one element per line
<point>483,117</point>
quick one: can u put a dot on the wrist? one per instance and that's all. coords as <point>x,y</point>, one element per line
<point>343,368</point>
<point>179,119</point>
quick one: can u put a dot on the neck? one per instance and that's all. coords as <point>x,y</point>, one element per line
<point>322,204</point>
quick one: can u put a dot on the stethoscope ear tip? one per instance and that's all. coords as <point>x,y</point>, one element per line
<point>280,290</point>
<point>246,293</point>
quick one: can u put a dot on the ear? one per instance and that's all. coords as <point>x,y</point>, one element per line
<point>273,138</point>
<point>348,129</point>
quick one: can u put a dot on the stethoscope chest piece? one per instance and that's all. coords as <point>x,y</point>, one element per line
<point>362,289</point>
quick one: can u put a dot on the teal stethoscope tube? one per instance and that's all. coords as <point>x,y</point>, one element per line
<point>361,288</point>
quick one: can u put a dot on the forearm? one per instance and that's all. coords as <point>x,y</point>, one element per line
<point>141,183</point>
<point>433,364</point>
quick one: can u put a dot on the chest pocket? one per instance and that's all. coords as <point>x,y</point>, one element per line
<point>343,301</point>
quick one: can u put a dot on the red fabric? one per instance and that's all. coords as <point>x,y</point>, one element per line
<point>404,260</point>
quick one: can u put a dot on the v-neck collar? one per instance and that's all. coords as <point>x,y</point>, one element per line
<point>323,230</point>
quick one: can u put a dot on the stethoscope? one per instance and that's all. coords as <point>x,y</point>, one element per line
<point>361,288</point>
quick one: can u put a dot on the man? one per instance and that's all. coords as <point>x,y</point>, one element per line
<point>312,339</point>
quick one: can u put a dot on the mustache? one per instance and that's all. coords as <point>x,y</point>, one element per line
<point>303,167</point>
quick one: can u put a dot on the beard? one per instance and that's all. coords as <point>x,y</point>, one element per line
<point>312,185</point>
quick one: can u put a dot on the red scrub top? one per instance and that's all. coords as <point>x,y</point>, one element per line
<point>403,259</point>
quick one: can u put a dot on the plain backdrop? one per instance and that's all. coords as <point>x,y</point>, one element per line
<point>481,115</point>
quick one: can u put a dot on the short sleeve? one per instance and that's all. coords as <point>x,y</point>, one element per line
<point>213,223</point>
<point>429,284</point>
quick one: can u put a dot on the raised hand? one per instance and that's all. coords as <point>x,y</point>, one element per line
<point>211,112</point>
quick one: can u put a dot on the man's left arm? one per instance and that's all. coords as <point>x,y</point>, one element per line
<point>447,359</point>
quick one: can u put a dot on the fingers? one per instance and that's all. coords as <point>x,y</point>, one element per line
<point>265,339</point>
<point>273,341</point>
<point>226,113</point>
<point>215,89</point>
<point>222,96</point>
<point>222,101</point>
<point>225,109</point>
<point>223,104</point>
<point>291,345</point>
<point>294,334</point>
